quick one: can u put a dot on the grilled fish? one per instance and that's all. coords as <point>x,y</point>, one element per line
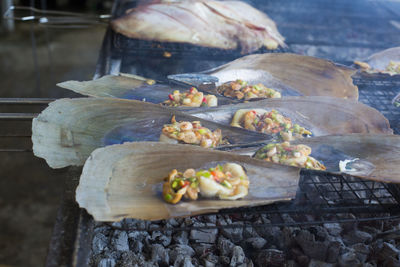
<point>217,24</point>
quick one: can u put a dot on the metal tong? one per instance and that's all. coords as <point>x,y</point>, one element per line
<point>55,19</point>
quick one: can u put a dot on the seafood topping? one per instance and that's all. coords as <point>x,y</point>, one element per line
<point>191,98</point>
<point>392,68</point>
<point>228,182</point>
<point>191,133</point>
<point>292,155</point>
<point>271,123</point>
<point>242,90</point>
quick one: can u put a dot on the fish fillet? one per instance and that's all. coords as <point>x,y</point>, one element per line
<point>218,24</point>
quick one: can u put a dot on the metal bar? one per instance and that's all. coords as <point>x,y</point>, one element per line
<point>15,150</point>
<point>18,116</point>
<point>27,101</point>
<point>257,225</point>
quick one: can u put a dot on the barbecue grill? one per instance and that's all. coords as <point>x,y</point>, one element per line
<point>321,198</point>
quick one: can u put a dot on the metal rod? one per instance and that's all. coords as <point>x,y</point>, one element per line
<point>52,18</point>
<point>18,116</point>
<point>28,101</point>
<point>8,150</point>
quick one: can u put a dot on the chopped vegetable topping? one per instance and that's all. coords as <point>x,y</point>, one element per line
<point>191,98</point>
<point>241,90</point>
<point>219,181</point>
<point>272,123</point>
<point>292,155</point>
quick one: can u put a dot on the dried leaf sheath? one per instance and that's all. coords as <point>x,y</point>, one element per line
<point>322,115</point>
<point>123,181</point>
<point>306,75</point>
<point>68,130</point>
<point>288,73</point>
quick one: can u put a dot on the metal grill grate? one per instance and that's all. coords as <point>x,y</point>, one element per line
<point>378,91</point>
<point>321,199</point>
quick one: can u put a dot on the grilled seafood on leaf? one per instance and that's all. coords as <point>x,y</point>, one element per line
<point>369,156</point>
<point>287,74</point>
<point>290,75</point>
<point>67,131</point>
<point>125,181</point>
<point>190,133</point>
<point>314,116</point>
<point>227,182</point>
<point>292,155</point>
<point>191,98</point>
<point>269,122</point>
<point>242,90</point>
<point>142,89</point>
<point>386,61</point>
<point>225,25</point>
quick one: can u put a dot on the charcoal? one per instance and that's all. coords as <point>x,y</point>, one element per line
<point>187,262</point>
<point>137,235</point>
<point>355,237</point>
<point>210,260</point>
<point>120,240</point>
<point>371,230</point>
<point>348,226</point>
<point>102,229</point>
<point>174,222</point>
<point>211,219</point>
<point>225,246</point>
<point>334,229</point>
<point>188,221</point>
<point>270,233</point>
<point>255,242</point>
<point>286,238</point>
<point>362,251</point>
<point>299,256</point>
<point>388,250</point>
<point>249,232</point>
<point>270,257</point>
<point>131,259</point>
<point>159,238</point>
<point>320,233</point>
<point>317,263</point>
<point>106,263</point>
<point>176,250</point>
<point>204,235</point>
<point>134,224</point>
<point>99,243</point>
<point>179,260</point>
<point>235,234</point>
<point>391,262</point>
<point>291,263</point>
<point>349,259</point>
<point>312,248</point>
<point>181,237</point>
<point>333,251</point>
<point>224,260</point>
<point>112,254</point>
<point>202,249</point>
<point>238,256</point>
<point>159,255</point>
<point>117,224</point>
<point>137,246</point>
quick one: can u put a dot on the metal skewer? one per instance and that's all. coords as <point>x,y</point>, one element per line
<point>55,19</point>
